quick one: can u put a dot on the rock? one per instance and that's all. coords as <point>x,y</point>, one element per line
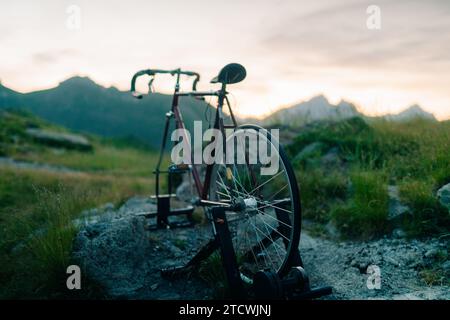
<point>431,253</point>
<point>112,254</point>
<point>446,267</point>
<point>26,165</point>
<point>136,205</point>
<point>332,230</point>
<point>154,287</point>
<point>331,158</point>
<point>108,206</point>
<point>396,208</point>
<point>363,266</point>
<point>185,190</point>
<point>412,259</point>
<point>433,293</point>
<point>392,261</point>
<point>443,196</point>
<point>312,150</point>
<point>398,233</point>
<point>62,140</point>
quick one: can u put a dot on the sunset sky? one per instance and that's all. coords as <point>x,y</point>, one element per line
<point>292,49</point>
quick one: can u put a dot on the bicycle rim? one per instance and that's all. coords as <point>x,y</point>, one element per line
<point>266,234</point>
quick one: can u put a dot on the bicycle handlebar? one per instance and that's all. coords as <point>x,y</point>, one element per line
<point>152,72</point>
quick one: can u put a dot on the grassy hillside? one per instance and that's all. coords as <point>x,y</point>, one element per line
<point>37,206</point>
<point>80,104</point>
<point>345,169</point>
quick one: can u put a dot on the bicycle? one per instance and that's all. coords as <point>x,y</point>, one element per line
<point>263,212</point>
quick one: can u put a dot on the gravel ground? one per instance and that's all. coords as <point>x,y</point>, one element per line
<point>116,250</point>
<point>345,267</point>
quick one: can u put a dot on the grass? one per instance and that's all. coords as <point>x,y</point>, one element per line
<point>429,217</point>
<point>433,274</point>
<point>373,154</point>
<point>212,272</point>
<point>36,225</point>
<point>124,157</point>
<point>364,215</point>
<point>105,159</point>
<point>37,207</point>
<point>320,191</point>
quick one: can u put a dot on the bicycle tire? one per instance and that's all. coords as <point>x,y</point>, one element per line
<point>291,250</point>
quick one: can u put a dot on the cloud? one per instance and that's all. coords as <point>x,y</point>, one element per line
<point>51,57</point>
<point>414,34</point>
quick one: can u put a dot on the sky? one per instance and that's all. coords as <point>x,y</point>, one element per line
<point>383,61</point>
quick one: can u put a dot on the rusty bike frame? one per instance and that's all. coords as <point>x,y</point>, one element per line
<point>175,112</point>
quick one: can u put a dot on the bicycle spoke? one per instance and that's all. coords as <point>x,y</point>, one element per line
<point>251,192</point>
<point>275,207</point>
<point>273,242</point>
<point>259,242</point>
<point>270,216</point>
<point>273,196</point>
<point>264,228</point>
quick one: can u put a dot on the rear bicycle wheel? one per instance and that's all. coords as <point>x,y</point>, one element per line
<point>266,229</point>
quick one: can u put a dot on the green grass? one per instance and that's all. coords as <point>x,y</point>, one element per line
<point>105,159</point>
<point>320,191</point>
<point>429,217</point>
<point>212,272</point>
<point>37,207</point>
<point>413,155</point>
<point>36,225</point>
<point>121,156</point>
<point>364,215</point>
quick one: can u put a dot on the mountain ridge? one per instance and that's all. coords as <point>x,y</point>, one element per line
<point>318,108</point>
<point>81,104</point>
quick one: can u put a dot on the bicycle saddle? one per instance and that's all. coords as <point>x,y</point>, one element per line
<point>231,73</point>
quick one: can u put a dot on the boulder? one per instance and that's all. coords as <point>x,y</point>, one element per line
<point>443,196</point>
<point>396,209</point>
<point>112,249</point>
<point>332,158</point>
<point>60,140</point>
<point>311,151</point>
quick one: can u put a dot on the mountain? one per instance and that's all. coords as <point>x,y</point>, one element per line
<point>316,109</point>
<point>82,105</point>
<point>319,108</point>
<point>411,113</point>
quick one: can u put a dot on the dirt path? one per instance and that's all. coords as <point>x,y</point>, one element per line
<point>112,247</point>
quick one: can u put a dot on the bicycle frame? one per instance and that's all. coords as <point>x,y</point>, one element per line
<point>202,188</point>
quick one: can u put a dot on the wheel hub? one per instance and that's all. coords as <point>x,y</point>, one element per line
<point>250,204</point>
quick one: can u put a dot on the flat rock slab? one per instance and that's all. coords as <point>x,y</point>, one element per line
<point>57,139</point>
